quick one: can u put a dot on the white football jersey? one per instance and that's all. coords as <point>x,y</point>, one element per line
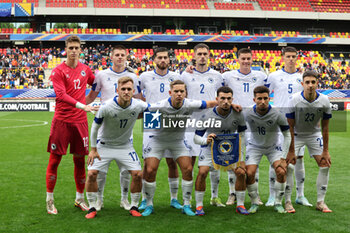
<point>106,82</point>
<point>202,86</point>
<point>284,85</point>
<point>171,117</point>
<point>118,122</point>
<point>231,123</point>
<point>243,85</point>
<point>308,115</point>
<point>155,86</point>
<point>264,130</point>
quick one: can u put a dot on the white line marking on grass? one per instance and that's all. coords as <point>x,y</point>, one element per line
<point>40,123</point>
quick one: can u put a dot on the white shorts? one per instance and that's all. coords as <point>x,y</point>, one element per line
<point>125,157</point>
<point>195,149</point>
<point>254,154</point>
<point>160,149</point>
<point>299,152</point>
<point>145,141</point>
<point>313,142</point>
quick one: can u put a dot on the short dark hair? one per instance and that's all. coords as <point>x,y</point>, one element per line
<point>200,46</point>
<point>224,90</point>
<point>159,50</point>
<point>124,80</point>
<point>289,49</point>
<point>311,73</point>
<point>71,39</point>
<point>119,47</point>
<point>177,82</point>
<point>244,50</point>
<point>260,90</point>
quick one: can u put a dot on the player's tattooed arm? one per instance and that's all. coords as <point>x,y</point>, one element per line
<point>291,158</point>
<point>325,135</point>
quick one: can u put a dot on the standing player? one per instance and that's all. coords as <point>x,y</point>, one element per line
<point>118,116</point>
<point>155,85</point>
<point>285,83</point>
<point>265,123</point>
<point>202,84</point>
<point>69,124</point>
<point>243,82</point>
<point>106,82</point>
<point>171,139</point>
<point>306,110</point>
<point>231,121</point>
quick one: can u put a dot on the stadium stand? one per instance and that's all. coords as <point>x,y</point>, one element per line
<point>36,2</point>
<point>233,6</point>
<point>24,67</point>
<point>163,4</point>
<point>66,3</point>
<point>284,5</point>
<point>331,6</point>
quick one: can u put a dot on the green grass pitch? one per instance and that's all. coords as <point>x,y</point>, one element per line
<point>23,142</point>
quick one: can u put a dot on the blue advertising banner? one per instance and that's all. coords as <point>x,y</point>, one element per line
<point>5,9</point>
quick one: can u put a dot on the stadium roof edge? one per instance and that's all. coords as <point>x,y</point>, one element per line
<point>190,13</point>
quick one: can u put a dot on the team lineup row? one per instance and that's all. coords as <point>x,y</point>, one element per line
<point>201,86</point>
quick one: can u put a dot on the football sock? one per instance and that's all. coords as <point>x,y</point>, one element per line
<point>124,184</point>
<point>300,177</point>
<point>279,192</point>
<point>322,183</point>
<point>91,197</point>
<point>253,193</point>
<point>150,189</point>
<point>174,187</point>
<point>135,197</point>
<point>51,172</point>
<point>289,183</point>
<point>143,194</point>
<point>49,196</point>
<point>79,173</point>
<point>101,182</point>
<point>79,196</point>
<point>214,181</point>
<point>187,186</point>
<point>272,179</point>
<point>240,195</point>
<point>231,181</point>
<point>199,198</point>
<point>257,179</point>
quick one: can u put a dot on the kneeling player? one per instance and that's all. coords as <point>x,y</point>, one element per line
<point>265,122</point>
<point>305,111</point>
<point>118,117</point>
<point>231,121</point>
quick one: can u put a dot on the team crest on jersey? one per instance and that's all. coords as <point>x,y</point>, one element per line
<point>269,122</point>
<point>210,80</point>
<point>298,80</point>
<point>254,79</point>
<point>83,73</point>
<point>133,113</point>
<point>234,123</point>
<point>53,146</point>
<point>171,79</point>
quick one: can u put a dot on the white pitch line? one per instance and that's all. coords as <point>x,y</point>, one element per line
<point>23,126</point>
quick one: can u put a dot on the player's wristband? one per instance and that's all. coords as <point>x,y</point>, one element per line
<point>80,105</point>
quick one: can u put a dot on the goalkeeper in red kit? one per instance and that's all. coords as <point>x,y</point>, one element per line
<point>69,124</point>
